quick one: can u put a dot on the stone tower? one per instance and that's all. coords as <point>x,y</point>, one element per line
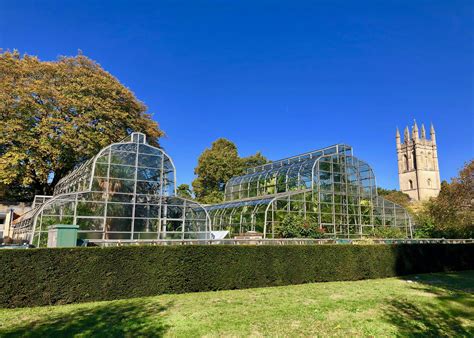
<point>418,170</point>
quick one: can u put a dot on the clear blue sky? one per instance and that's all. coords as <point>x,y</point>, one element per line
<point>281,77</point>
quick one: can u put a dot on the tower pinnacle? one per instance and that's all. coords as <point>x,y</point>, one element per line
<point>415,135</point>
<point>423,132</point>
<point>432,134</point>
<point>397,136</point>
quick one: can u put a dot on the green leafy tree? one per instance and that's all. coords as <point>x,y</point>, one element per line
<point>56,114</point>
<point>184,191</point>
<point>453,209</point>
<point>254,160</point>
<point>216,166</point>
<point>425,226</point>
<point>394,196</point>
<point>451,214</point>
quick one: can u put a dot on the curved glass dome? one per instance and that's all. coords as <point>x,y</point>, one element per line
<point>330,187</point>
<point>290,174</point>
<point>126,191</point>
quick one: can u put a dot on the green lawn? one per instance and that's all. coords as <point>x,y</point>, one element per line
<point>432,304</point>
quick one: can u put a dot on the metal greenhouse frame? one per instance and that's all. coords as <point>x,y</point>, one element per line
<point>127,191</point>
<point>329,187</point>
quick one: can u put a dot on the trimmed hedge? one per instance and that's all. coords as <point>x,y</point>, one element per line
<point>57,276</point>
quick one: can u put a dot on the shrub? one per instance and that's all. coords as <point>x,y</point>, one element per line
<point>296,226</point>
<point>429,224</point>
<point>9,241</point>
<point>65,275</point>
<point>385,232</point>
<point>425,226</point>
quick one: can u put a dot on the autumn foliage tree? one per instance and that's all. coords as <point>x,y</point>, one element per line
<point>395,196</point>
<point>56,114</point>
<point>216,166</point>
<point>451,214</point>
<point>453,209</point>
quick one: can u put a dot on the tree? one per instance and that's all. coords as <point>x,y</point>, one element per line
<point>453,209</point>
<point>184,191</point>
<point>425,226</point>
<point>54,115</point>
<point>451,214</point>
<point>394,196</point>
<point>216,166</point>
<point>254,160</point>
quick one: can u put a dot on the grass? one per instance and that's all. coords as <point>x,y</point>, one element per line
<point>431,304</point>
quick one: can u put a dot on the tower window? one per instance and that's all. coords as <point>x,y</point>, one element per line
<point>429,182</point>
<point>405,160</point>
<point>410,182</point>
<point>414,160</point>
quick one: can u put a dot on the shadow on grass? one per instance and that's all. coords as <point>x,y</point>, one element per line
<point>453,281</point>
<point>130,318</point>
<point>446,316</point>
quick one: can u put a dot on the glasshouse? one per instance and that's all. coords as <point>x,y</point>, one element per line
<point>127,191</point>
<point>333,191</point>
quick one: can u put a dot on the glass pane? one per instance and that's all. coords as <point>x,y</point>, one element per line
<point>123,186</point>
<point>149,161</point>
<point>101,170</point>
<point>90,223</point>
<point>118,224</point>
<point>119,210</point>
<point>148,174</point>
<point>146,225</point>
<point>90,209</point>
<point>123,158</point>
<point>119,171</point>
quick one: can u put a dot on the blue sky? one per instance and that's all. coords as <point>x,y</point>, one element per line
<point>280,77</point>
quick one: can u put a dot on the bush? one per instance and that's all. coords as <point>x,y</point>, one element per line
<point>385,232</point>
<point>425,226</point>
<point>429,225</point>
<point>296,226</point>
<point>9,241</point>
<point>65,275</point>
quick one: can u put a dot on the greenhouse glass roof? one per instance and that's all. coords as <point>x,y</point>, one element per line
<point>288,174</point>
<point>329,187</point>
<point>126,192</point>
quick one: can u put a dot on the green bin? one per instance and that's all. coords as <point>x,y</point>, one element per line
<point>62,235</point>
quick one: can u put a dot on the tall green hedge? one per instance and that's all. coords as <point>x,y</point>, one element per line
<point>56,276</point>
